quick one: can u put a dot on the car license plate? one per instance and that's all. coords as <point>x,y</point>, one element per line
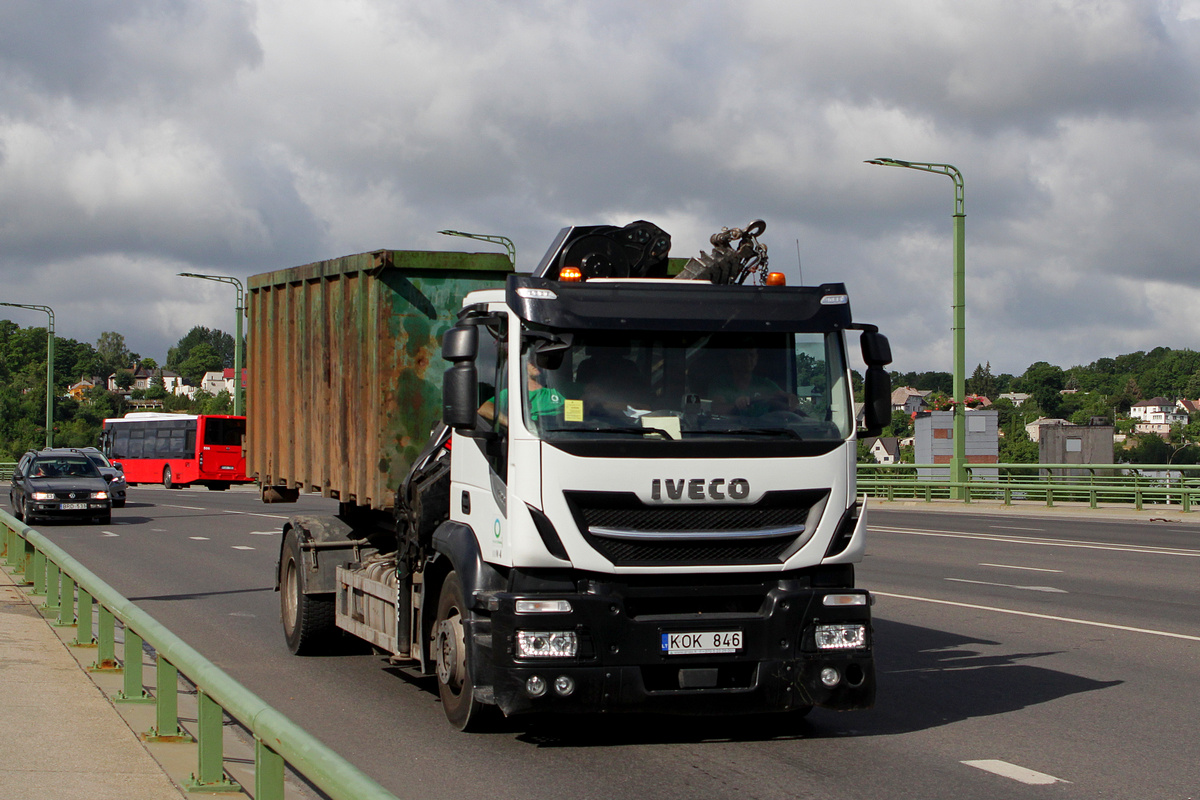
<point>73,506</point>
<point>701,642</point>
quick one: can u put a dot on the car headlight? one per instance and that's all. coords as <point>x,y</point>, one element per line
<point>99,495</point>
<point>547,644</point>
<point>42,495</point>
<point>841,637</point>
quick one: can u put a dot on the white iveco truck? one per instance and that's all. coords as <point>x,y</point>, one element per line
<point>642,497</point>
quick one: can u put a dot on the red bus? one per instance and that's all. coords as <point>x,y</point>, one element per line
<point>178,449</point>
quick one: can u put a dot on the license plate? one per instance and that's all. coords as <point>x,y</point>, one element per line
<point>73,506</point>
<point>701,642</point>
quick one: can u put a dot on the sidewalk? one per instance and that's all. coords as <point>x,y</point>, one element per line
<point>60,737</point>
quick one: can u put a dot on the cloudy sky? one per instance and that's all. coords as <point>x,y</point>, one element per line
<point>142,138</point>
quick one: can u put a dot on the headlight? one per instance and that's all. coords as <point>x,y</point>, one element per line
<point>99,495</point>
<point>841,637</point>
<point>547,644</point>
<point>42,495</point>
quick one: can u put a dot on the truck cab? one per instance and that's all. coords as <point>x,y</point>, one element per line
<point>652,487</point>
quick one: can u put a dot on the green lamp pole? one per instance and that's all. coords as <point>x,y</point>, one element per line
<point>49,368</point>
<point>237,341</point>
<point>958,460</point>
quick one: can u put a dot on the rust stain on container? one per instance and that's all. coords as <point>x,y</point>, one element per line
<point>346,368</point>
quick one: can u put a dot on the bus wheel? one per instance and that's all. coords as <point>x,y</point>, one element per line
<point>308,619</point>
<point>455,686</point>
<point>167,482</point>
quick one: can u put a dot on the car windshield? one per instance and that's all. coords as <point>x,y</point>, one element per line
<point>63,467</point>
<point>672,386</point>
<point>98,460</point>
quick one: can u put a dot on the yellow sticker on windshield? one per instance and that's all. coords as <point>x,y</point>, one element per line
<point>573,410</point>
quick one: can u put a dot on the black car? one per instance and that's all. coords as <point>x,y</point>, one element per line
<point>59,483</point>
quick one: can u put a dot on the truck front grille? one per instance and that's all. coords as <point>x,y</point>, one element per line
<point>628,532</point>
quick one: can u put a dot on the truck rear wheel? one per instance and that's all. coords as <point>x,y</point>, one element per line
<point>455,686</point>
<point>308,619</point>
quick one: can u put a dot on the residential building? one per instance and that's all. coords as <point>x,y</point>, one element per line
<point>884,449</point>
<point>1016,398</point>
<point>1034,429</point>
<point>908,399</point>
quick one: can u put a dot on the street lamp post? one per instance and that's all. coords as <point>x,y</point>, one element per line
<point>49,368</point>
<point>958,460</point>
<point>237,341</point>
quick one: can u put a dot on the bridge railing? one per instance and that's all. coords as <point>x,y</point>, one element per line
<point>75,596</point>
<point>1095,484</point>
<point>6,469</point>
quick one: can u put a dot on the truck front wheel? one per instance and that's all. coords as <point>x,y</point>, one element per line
<point>455,686</point>
<point>308,619</point>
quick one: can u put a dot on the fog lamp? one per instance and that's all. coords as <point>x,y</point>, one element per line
<point>564,685</point>
<point>841,637</point>
<point>546,644</point>
<point>830,677</point>
<point>535,686</point>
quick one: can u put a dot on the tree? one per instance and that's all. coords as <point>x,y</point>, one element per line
<point>112,352</point>
<point>201,359</point>
<point>982,382</point>
<point>1043,382</point>
<point>218,341</point>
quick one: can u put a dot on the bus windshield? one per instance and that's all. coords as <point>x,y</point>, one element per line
<point>672,386</point>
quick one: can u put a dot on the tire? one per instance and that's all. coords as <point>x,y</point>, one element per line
<point>308,619</point>
<point>167,482</point>
<point>16,508</point>
<point>452,657</point>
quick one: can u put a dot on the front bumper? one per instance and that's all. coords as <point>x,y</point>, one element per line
<point>53,509</point>
<point>621,665</point>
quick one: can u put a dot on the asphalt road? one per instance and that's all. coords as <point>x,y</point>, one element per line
<point>1018,657</point>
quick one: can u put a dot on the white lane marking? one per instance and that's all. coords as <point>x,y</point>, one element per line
<point>199,538</point>
<point>1050,617</point>
<point>1073,543</point>
<point>264,533</point>
<point>110,533</point>
<point>1014,528</point>
<point>242,547</point>
<point>242,614</point>
<point>189,508</point>
<point>1020,774</point>
<point>253,514</point>
<point>1011,586</point>
<point>1014,566</point>
<point>159,530</point>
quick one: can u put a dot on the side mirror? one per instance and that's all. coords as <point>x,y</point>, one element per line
<point>876,350</point>
<point>118,465</point>
<point>461,343</point>
<point>460,396</point>
<point>460,383</point>
<point>877,399</point>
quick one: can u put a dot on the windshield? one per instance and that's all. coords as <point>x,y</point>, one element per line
<point>673,386</point>
<point>63,467</point>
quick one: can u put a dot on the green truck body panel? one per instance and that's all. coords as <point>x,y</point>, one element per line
<point>345,367</point>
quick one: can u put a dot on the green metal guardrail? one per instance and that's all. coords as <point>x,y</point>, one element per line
<point>61,579</point>
<point>6,469</point>
<point>1112,484</point>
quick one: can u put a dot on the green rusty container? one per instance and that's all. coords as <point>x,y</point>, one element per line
<point>345,367</point>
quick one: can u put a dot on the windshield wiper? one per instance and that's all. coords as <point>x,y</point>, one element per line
<point>619,429</point>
